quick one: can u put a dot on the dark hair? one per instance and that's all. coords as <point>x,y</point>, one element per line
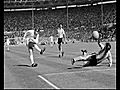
<point>108,46</point>
<point>59,24</point>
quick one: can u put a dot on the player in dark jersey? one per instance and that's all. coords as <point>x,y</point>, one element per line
<point>96,58</point>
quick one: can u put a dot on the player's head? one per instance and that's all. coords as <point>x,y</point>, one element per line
<point>60,25</point>
<point>6,37</point>
<point>36,30</point>
<point>108,46</point>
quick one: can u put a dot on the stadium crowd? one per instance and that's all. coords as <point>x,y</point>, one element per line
<point>81,21</point>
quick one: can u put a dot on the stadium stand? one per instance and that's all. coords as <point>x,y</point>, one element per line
<point>81,20</point>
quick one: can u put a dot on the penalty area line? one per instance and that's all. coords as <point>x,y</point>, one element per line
<point>51,84</point>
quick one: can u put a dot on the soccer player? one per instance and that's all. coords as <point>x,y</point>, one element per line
<point>61,36</point>
<point>7,44</point>
<point>96,58</point>
<point>32,38</point>
<point>51,41</point>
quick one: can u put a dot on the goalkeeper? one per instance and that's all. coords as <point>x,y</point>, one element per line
<point>96,58</point>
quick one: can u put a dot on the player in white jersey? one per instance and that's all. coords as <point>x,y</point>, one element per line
<point>32,37</point>
<point>96,58</point>
<point>61,36</point>
<point>51,41</point>
<point>7,44</point>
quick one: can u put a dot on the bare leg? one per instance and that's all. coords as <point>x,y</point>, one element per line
<point>60,50</point>
<point>37,48</point>
<point>59,47</point>
<point>31,56</point>
<point>51,44</point>
<point>8,48</point>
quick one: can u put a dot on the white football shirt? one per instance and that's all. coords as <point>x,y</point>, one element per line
<point>61,32</point>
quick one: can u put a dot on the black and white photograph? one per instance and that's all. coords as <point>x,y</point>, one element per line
<point>59,44</point>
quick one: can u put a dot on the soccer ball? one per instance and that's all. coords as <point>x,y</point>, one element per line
<point>95,34</point>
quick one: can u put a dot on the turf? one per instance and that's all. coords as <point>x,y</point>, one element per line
<point>59,71</point>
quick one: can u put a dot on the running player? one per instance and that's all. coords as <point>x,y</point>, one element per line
<point>61,36</point>
<point>51,41</point>
<point>32,38</point>
<point>96,58</point>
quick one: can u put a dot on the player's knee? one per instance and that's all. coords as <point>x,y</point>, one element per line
<point>31,51</point>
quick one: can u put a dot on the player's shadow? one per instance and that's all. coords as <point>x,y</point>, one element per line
<point>102,65</point>
<point>53,56</point>
<point>80,66</point>
<point>23,65</point>
<point>75,67</point>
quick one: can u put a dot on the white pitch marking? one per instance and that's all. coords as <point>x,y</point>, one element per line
<point>77,72</point>
<point>48,82</point>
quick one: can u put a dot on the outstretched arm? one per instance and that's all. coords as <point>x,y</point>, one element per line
<point>100,44</point>
<point>25,40</point>
<point>109,57</point>
<point>24,36</point>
